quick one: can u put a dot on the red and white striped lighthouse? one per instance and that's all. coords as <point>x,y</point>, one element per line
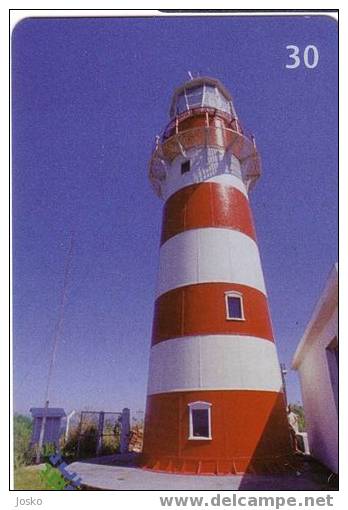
<point>215,402</point>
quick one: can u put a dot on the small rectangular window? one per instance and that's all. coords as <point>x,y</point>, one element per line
<point>185,167</point>
<point>199,420</point>
<point>234,306</point>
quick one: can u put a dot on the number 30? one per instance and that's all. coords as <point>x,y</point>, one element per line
<point>310,63</point>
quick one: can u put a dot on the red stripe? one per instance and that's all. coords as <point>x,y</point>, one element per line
<point>207,205</point>
<point>200,310</point>
<point>249,432</point>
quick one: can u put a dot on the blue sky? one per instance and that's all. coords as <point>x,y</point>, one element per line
<point>89,96</point>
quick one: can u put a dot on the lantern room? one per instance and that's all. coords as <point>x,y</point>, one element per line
<point>202,92</point>
<point>202,119</point>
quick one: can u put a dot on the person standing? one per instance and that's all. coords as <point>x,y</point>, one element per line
<point>294,428</point>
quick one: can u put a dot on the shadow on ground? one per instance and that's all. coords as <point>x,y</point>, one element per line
<point>116,459</point>
<point>308,474</point>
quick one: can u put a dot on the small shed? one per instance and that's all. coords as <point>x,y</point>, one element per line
<point>54,417</point>
<point>316,359</point>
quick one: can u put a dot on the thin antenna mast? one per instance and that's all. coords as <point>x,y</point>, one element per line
<point>56,335</point>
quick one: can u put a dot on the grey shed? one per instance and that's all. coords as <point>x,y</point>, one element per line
<point>53,424</point>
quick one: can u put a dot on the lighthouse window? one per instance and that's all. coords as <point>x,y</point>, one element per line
<point>210,96</point>
<point>200,420</point>
<point>181,103</point>
<point>234,306</point>
<point>194,96</point>
<point>185,167</point>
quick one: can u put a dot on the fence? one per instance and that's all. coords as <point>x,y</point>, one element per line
<point>107,432</point>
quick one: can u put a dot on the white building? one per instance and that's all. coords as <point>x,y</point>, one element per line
<point>316,359</point>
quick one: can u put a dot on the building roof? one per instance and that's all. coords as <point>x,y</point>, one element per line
<point>52,412</point>
<point>322,312</point>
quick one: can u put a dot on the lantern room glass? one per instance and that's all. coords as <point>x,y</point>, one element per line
<point>204,95</point>
<point>194,97</point>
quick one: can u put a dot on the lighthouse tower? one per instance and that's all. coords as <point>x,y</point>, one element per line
<point>215,403</point>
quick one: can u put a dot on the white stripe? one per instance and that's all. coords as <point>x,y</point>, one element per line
<point>204,255</point>
<point>230,180</point>
<point>206,165</point>
<point>211,362</point>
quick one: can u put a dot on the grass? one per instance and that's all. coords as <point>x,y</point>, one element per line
<point>28,478</point>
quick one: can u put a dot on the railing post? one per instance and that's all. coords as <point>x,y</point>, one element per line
<point>237,125</point>
<point>206,134</point>
<point>125,430</point>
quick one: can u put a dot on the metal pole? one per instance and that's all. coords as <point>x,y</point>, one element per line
<point>283,372</point>
<point>54,350</point>
<point>125,430</point>
<point>68,418</point>
<point>100,433</point>
<point>79,435</point>
<point>42,433</point>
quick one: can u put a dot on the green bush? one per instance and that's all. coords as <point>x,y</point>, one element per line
<point>22,430</point>
<point>88,442</point>
<point>48,449</point>
<point>111,439</point>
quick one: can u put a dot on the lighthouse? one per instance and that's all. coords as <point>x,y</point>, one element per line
<point>215,402</point>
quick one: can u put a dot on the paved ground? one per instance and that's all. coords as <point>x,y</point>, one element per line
<point>104,474</point>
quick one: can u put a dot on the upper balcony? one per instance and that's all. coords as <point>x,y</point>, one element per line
<point>201,130</point>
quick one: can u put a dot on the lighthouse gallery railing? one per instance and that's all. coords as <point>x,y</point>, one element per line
<point>220,137</point>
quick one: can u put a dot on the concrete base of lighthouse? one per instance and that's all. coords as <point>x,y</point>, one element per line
<point>112,473</point>
<point>250,434</point>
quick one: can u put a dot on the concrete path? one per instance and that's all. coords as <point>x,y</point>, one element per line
<point>103,474</point>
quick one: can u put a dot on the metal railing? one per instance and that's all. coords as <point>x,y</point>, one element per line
<point>239,144</point>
